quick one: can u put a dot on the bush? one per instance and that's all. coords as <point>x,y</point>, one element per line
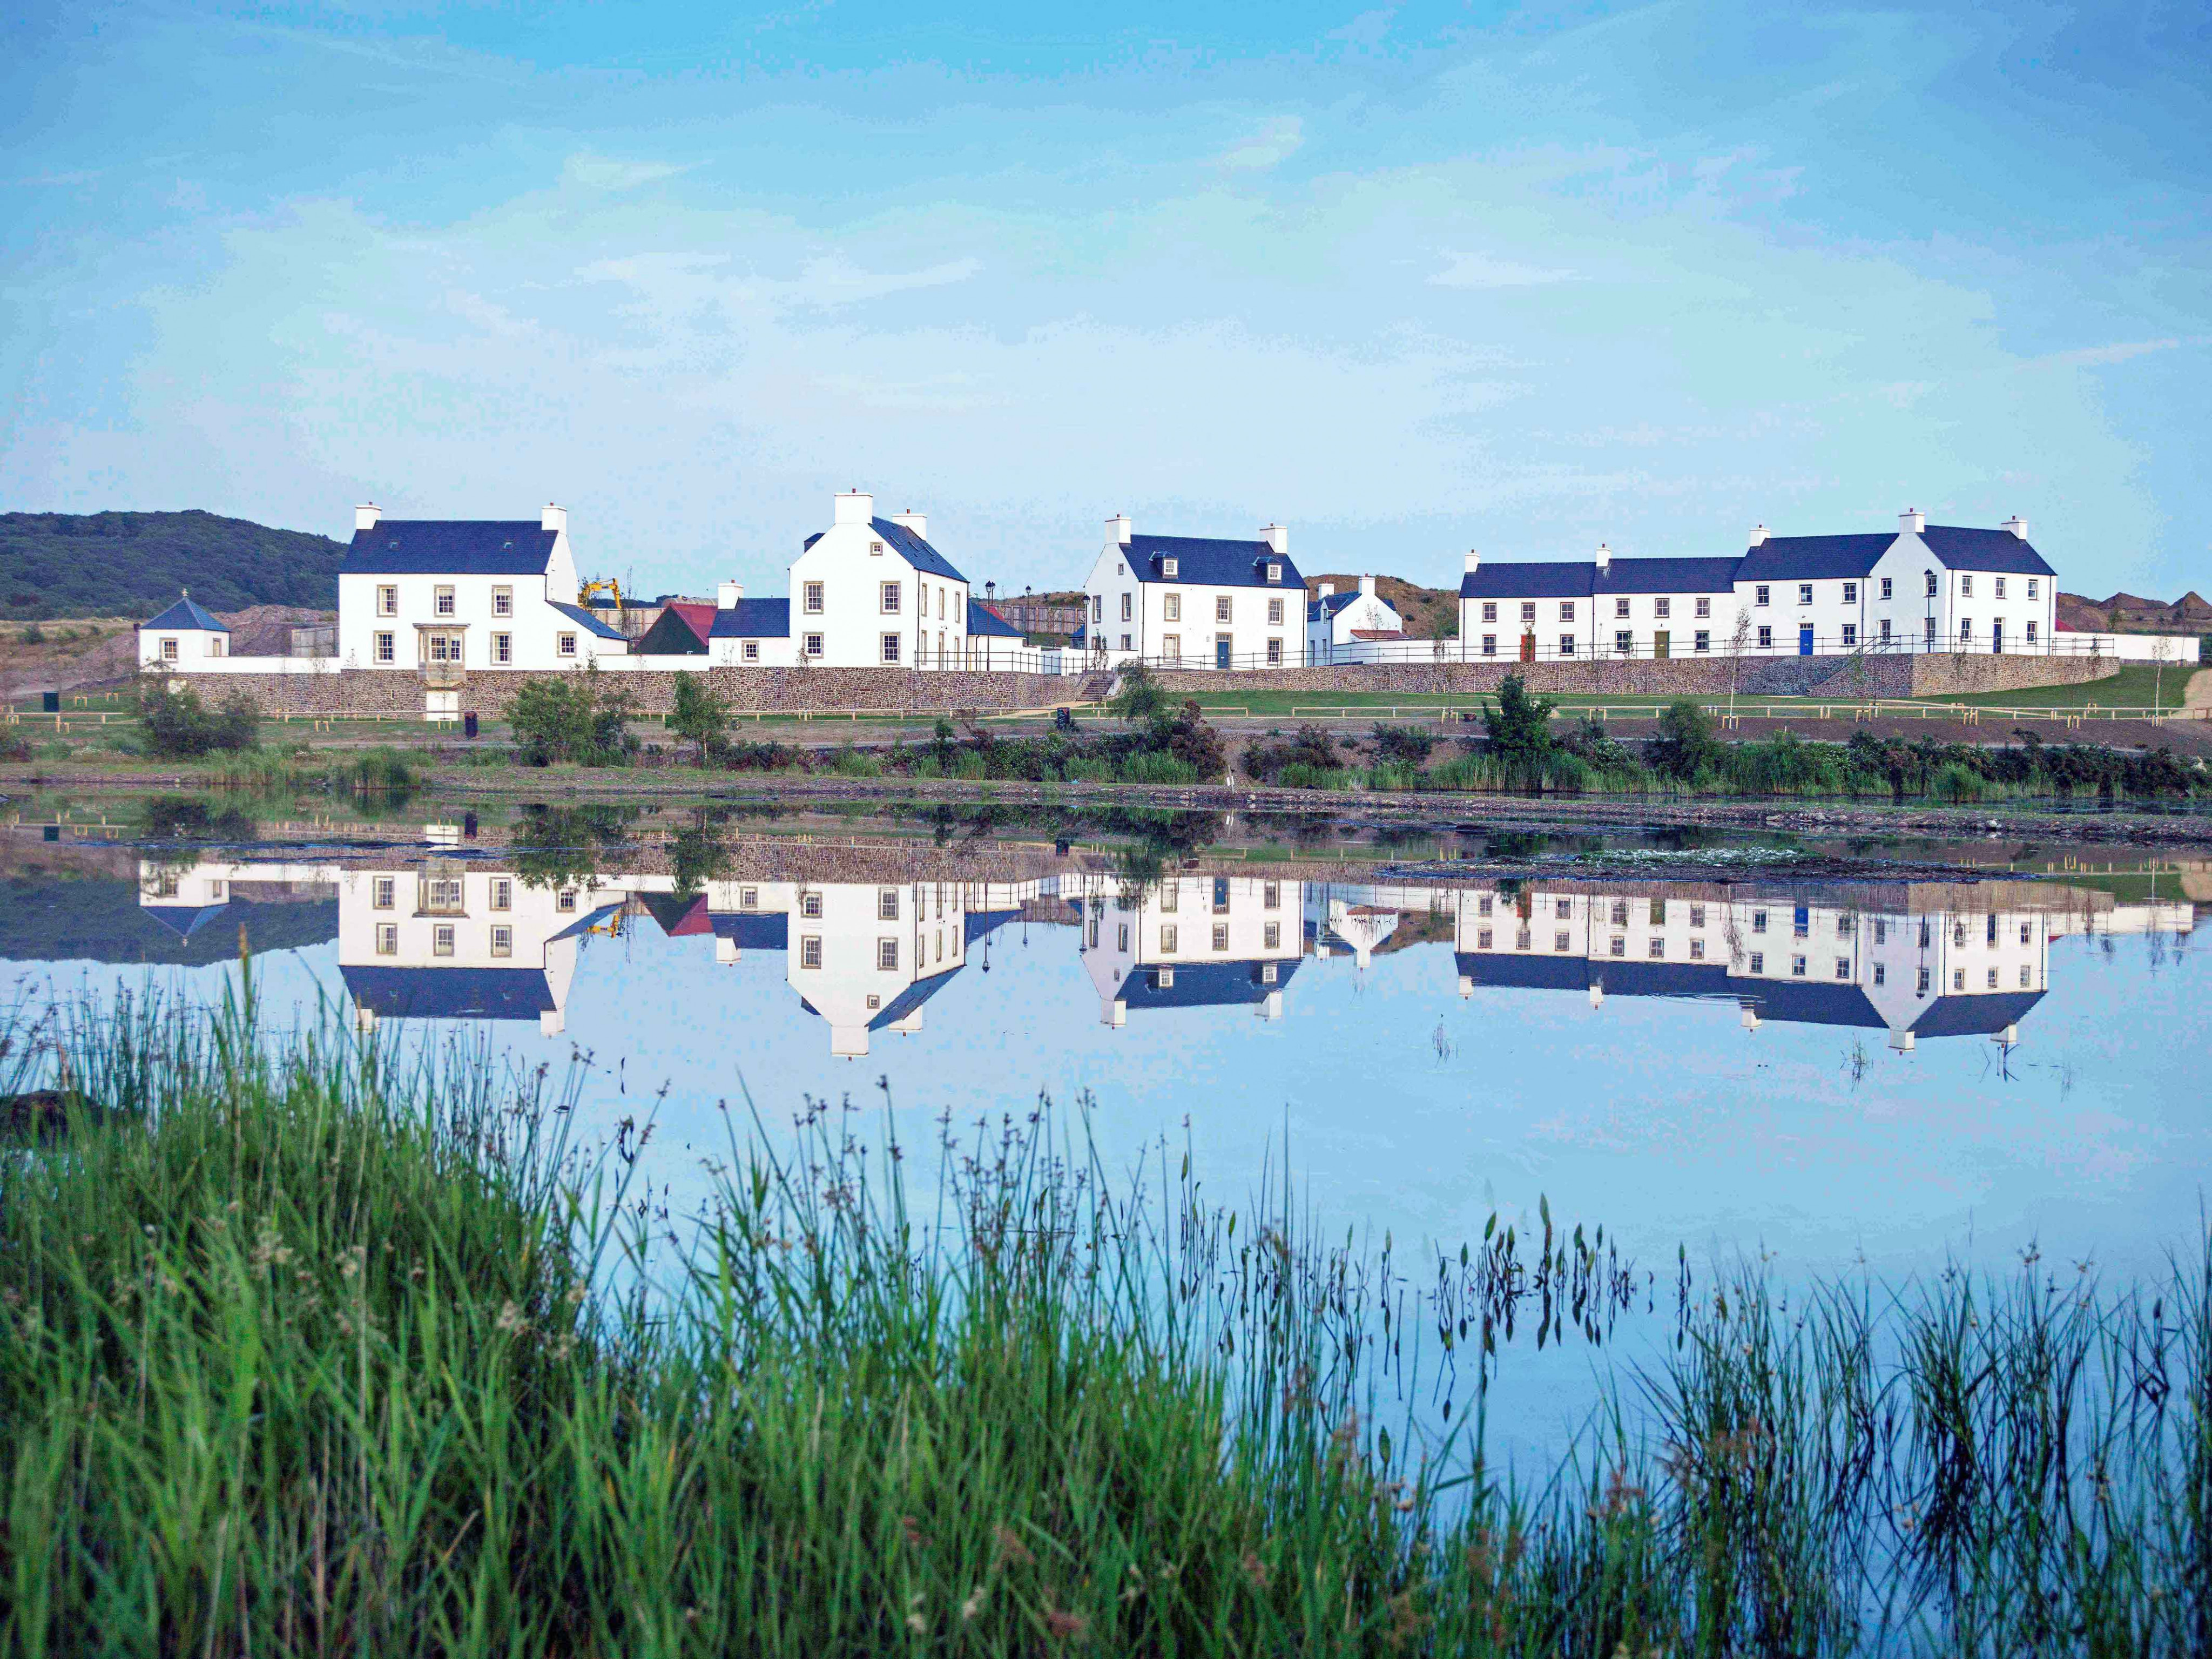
<point>179,727</point>
<point>570,717</point>
<point>697,713</point>
<point>1518,724</point>
<point>1687,743</point>
<point>34,635</point>
<point>1310,749</point>
<point>1408,745</point>
<point>1959,782</point>
<point>742,754</point>
<point>1157,768</point>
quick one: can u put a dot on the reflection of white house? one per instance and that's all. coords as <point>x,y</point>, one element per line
<point>185,636</point>
<point>1188,941</point>
<point>1195,601</point>
<point>1336,623</point>
<point>1336,925</point>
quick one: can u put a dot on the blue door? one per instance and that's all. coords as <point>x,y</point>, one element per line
<point>1221,653</point>
<point>1996,637</point>
<point>1805,639</point>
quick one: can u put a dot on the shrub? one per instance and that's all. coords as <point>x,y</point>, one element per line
<point>1403,745</point>
<point>1311,749</point>
<point>570,717</point>
<point>744,755</point>
<point>34,635</point>
<point>1139,696</point>
<point>1687,743</point>
<point>697,715</point>
<point>850,762</point>
<point>179,727</point>
<point>1959,782</point>
<point>1518,724</point>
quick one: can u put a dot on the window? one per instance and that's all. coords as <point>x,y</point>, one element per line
<point>1274,572</point>
<point>1966,587</point>
<point>1758,594</point>
<point>169,649</point>
<point>891,598</point>
<point>502,648</point>
<point>749,898</point>
<point>1163,979</point>
<point>1490,611</point>
<point>1619,945</point>
<point>1701,641</point>
<point>809,906</point>
<point>567,645</point>
<point>1221,607</point>
<point>442,893</point>
<point>1888,587</point>
<point>2031,586</point>
<point>1842,967</point>
<point>1221,936</point>
<point>1766,639</point>
<point>1560,942</point>
<point>2024,929</point>
<point>1126,602</point>
<point>2030,630</point>
<point>1697,950</point>
<point>1566,611</point>
<point>1529,612</point>
<point>1521,939</point>
<point>1171,647</point>
<point>875,550</point>
<point>1275,613</point>
<point>1567,645</point>
<point>1851,633</point>
<point>385,651</point>
<point>1796,967</point>
<point>1801,920</point>
<point>1882,973</point>
<point>811,599</point>
<point>1696,915</point>
<point>887,904</point>
<point>749,651</point>
<point>1482,905</point>
<point>1121,935</point>
<point>1758,962</point>
<point>1663,608</point>
<point>890,648</point>
<point>1170,607</point>
<point>1125,642</point>
<point>215,645</point>
<point>442,601</point>
<point>1482,939</point>
<point>1932,583</point>
<point>1703,608</point>
<point>1620,913</point>
<point>387,601</point>
<point>1965,628</point>
<point>1922,986</point>
<point>1167,938</point>
<point>1170,567</point>
<point>387,939</point>
<point>1490,645</point>
<point>1885,630</point>
<point>442,940</point>
<point>565,901</point>
<point>1804,592</point>
<point>1171,898</point>
<point>1564,910</point>
<point>813,645</point>
<point>503,602</point>
<point>1274,654</point>
<point>1656,948</point>
<point>1759,922</point>
<point>1098,607</point>
<point>2023,976</point>
<point>502,893</point>
<point>385,892</point>
<point>887,955</point>
<point>1958,978</point>
<point>1621,607</point>
<point>1624,642</point>
<point>1992,979</point>
<point>503,941</point>
<point>1931,630</point>
<point>1271,936</point>
<point>810,952</point>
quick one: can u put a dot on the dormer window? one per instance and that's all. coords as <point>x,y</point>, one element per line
<point>1169,568</point>
<point>1274,572</point>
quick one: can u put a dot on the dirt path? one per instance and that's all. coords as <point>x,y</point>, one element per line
<point>2198,694</point>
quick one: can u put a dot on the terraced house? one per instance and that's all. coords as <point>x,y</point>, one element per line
<point>1195,601</point>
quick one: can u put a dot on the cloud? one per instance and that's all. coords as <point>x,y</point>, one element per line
<point>1277,140</point>
<point>1481,270</point>
<point>2100,357</point>
<point>591,172</point>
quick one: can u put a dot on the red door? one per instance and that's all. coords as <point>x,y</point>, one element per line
<point>1527,648</point>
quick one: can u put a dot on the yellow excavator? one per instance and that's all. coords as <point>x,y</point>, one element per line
<point>607,586</point>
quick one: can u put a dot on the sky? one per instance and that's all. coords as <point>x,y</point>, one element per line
<point>1409,280</point>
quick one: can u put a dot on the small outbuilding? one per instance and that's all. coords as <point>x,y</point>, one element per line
<point>185,634</point>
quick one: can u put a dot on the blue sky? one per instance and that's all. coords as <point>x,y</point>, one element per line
<point>1412,281</point>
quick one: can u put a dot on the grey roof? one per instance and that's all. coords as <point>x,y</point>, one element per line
<point>1975,1016</point>
<point>1209,562</point>
<point>2000,550</point>
<point>917,552</point>
<point>395,992</point>
<point>1318,609</point>
<point>981,924</point>
<point>1202,985</point>
<point>982,621</point>
<point>909,1001</point>
<point>461,547</point>
<point>589,619</point>
<point>753,930</point>
<point>188,613</point>
<point>1813,558</point>
<point>183,919</point>
<point>754,619</point>
<point>1667,576</point>
<point>1530,579</point>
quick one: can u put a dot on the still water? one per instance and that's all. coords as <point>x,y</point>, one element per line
<point>1836,1058</point>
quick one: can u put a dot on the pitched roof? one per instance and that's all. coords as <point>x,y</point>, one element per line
<point>754,930</point>
<point>675,634</point>
<point>394,993</point>
<point>182,920</point>
<point>1202,985</point>
<point>1813,558</point>
<point>753,619</point>
<point>909,1001</point>
<point>1975,1016</point>
<point>1665,577</point>
<point>2000,550</point>
<point>461,547</point>
<point>983,621</point>
<point>981,924</point>
<point>916,552</point>
<point>1317,609</point>
<point>590,619</point>
<point>1208,561</point>
<point>1530,579</point>
<point>188,613</point>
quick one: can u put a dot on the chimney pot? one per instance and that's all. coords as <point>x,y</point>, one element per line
<point>366,515</point>
<point>1473,561</point>
<point>1912,521</point>
<point>1277,537</point>
<point>2017,524</point>
<point>917,522</point>
<point>1758,536</point>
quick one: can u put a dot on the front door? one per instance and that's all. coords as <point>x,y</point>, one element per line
<point>1221,652</point>
<point>1660,642</point>
<point>1996,637</point>
<point>1805,640</point>
<point>1527,648</point>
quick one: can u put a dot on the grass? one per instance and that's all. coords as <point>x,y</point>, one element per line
<point>2137,685</point>
<point>303,1350</point>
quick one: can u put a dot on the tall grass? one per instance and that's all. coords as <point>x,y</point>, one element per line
<point>303,1350</point>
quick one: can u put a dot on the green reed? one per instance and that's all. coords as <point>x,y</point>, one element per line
<point>305,1348</point>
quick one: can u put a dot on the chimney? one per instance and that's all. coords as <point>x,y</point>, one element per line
<point>1912,521</point>
<point>1277,537</point>
<point>917,522</point>
<point>1758,536</point>
<point>727,595</point>
<point>1118,527</point>
<point>1604,558</point>
<point>1473,562</point>
<point>1367,586</point>
<point>1324,590</point>
<point>553,517</point>
<point>854,507</point>
<point>2017,524</point>
<point>366,515</point>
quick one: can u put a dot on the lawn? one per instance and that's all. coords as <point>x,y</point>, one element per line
<point>2138,685</point>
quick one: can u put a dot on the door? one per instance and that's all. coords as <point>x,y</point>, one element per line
<point>1221,652</point>
<point>1527,648</point>
<point>1805,639</point>
<point>1996,637</point>
<point>1660,643</point>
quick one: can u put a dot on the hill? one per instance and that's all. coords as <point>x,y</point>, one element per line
<point>133,564</point>
<point>1429,613</point>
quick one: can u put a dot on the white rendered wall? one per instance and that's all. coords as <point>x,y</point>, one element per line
<point>852,562</point>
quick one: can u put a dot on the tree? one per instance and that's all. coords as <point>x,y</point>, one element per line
<point>1141,698</point>
<point>1686,743</point>
<point>569,717</point>
<point>179,727</point>
<point>697,715</point>
<point>1738,639</point>
<point>1519,726</point>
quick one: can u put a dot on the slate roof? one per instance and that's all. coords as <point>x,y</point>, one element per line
<point>1206,561</point>
<point>982,923</point>
<point>754,930</point>
<point>183,919</point>
<point>1529,579</point>
<point>578,613</point>
<point>394,993</point>
<point>461,547</point>
<point>1999,550</point>
<point>1813,558</point>
<point>188,613</point>
<point>982,621</point>
<point>1667,576</point>
<point>1975,1016</point>
<point>909,1001</point>
<point>1202,985</point>
<point>1318,609</point>
<point>754,619</point>
<point>916,552</point>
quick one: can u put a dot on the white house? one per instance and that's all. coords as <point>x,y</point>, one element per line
<point>465,593</point>
<point>1190,942</point>
<point>1335,622</point>
<point>185,636</point>
<point>1195,602</point>
<point>995,643</point>
<point>873,592</point>
<point>750,633</point>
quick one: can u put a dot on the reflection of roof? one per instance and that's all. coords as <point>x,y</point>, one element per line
<point>1205,561</point>
<point>438,547</point>
<point>983,923</point>
<point>1203,985</point>
<point>1975,1016</point>
<point>909,1001</point>
<point>585,924</point>
<point>753,930</point>
<point>449,993</point>
<point>982,621</point>
<point>754,619</point>
<point>678,914</point>
<point>187,612</point>
<point>916,552</point>
<point>184,919</point>
<point>577,613</point>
